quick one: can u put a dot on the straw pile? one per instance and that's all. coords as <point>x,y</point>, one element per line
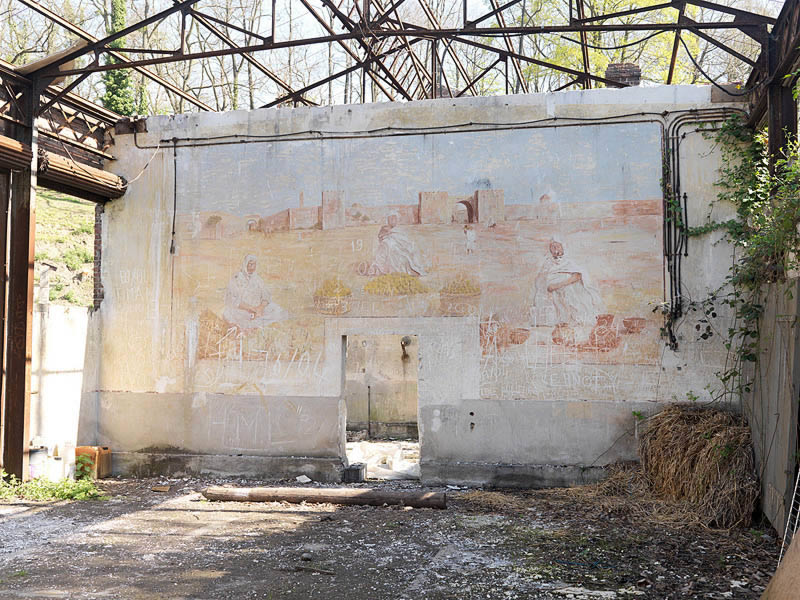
<point>492,501</point>
<point>703,457</point>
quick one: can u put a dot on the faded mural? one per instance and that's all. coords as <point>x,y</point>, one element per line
<point>549,238</point>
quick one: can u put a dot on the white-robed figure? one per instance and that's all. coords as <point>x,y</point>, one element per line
<point>396,253</point>
<point>563,286</point>
<point>248,303</point>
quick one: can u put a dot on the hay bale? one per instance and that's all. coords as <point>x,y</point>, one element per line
<point>702,456</point>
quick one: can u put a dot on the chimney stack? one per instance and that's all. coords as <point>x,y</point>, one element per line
<point>627,73</point>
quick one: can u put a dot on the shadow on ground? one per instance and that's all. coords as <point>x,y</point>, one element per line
<point>142,544</point>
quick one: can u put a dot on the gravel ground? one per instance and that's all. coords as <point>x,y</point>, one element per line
<point>145,544</point>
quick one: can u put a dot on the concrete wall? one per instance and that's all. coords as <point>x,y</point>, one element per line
<point>381,385</point>
<point>523,378</point>
<point>60,375</point>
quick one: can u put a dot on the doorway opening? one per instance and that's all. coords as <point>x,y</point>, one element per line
<point>381,394</point>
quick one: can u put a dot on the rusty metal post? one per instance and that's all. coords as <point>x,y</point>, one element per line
<point>434,70</point>
<point>781,109</point>
<point>5,193</point>
<point>20,300</point>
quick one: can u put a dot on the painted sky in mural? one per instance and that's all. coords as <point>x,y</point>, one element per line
<point>574,164</point>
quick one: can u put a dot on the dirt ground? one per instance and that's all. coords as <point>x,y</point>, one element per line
<point>145,544</point>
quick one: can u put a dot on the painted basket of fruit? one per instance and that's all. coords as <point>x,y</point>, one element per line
<point>332,298</point>
<point>460,297</point>
<point>395,284</point>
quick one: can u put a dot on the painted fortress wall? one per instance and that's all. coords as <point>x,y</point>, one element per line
<point>537,336</point>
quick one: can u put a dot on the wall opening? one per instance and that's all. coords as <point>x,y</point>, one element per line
<point>467,206</point>
<point>381,395</point>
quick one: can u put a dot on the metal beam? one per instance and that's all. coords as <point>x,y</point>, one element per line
<point>746,14</point>
<point>256,64</point>
<point>675,45</point>
<point>510,47</point>
<point>75,30</point>
<point>325,80</point>
<point>542,63</point>
<point>20,302</point>
<point>625,13</point>
<point>101,45</point>
<point>717,43</point>
<point>587,83</point>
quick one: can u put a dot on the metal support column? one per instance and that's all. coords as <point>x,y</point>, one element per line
<point>781,109</point>
<point>20,300</point>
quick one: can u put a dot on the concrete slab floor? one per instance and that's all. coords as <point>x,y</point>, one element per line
<point>142,544</point>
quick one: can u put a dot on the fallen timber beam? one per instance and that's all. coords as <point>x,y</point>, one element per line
<point>62,173</point>
<point>296,495</point>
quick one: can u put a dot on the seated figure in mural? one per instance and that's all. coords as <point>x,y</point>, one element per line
<point>396,253</point>
<point>248,303</point>
<point>562,286</point>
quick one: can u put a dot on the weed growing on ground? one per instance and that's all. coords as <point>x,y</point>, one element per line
<point>83,466</point>
<point>45,489</point>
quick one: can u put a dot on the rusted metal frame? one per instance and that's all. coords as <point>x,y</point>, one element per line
<point>411,78</point>
<point>383,33</point>
<point>13,97</point>
<point>119,57</point>
<point>566,85</point>
<point>81,105</point>
<point>786,34</point>
<point>102,44</point>
<point>781,109</point>
<point>542,63</point>
<point>587,83</point>
<point>182,49</point>
<point>400,70</point>
<point>625,13</point>
<point>717,43</point>
<point>501,20</point>
<point>55,133</point>
<point>489,15</point>
<point>341,39</point>
<point>351,27</point>
<point>436,23</point>
<point>325,80</point>
<point>5,197</point>
<point>746,14</point>
<point>20,300</point>
<point>75,83</point>
<point>392,8</point>
<point>145,51</point>
<point>418,67</point>
<point>197,14</point>
<point>272,18</point>
<point>434,70</point>
<point>419,82</point>
<point>675,44</point>
<point>480,76</point>
<point>201,19</point>
<point>77,144</point>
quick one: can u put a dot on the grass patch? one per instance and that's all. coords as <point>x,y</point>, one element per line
<point>76,257</point>
<point>65,239</point>
<point>45,489</point>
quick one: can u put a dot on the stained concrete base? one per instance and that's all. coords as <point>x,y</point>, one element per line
<point>508,475</point>
<point>150,464</point>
